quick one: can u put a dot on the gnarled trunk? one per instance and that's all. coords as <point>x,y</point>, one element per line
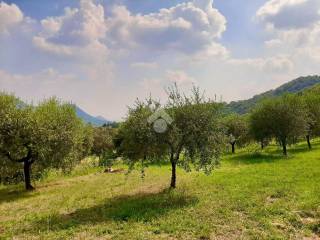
<point>27,162</point>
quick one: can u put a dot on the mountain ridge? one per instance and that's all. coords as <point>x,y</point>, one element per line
<point>240,107</point>
<point>86,117</point>
<point>297,85</point>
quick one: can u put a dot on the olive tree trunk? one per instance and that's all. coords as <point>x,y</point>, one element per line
<point>233,146</point>
<point>173,174</point>
<point>27,175</point>
<point>308,141</point>
<point>27,162</point>
<point>284,146</point>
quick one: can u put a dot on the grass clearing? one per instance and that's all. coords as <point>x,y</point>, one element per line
<point>251,196</point>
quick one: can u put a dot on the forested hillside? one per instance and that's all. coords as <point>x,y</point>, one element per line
<point>294,86</point>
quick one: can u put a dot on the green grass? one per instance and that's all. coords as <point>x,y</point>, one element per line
<point>251,196</point>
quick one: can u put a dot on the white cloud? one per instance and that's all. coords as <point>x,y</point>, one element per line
<point>272,43</point>
<point>44,45</point>
<point>72,45</point>
<point>294,31</point>
<point>187,28</point>
<point>289,14</point>
<point>10,15</point>
<point>78,30</point>
<point>77,26</point>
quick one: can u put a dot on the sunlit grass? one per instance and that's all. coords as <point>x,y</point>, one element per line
<point>259,195</point>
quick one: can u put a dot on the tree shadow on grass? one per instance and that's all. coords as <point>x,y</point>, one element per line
<point>10,194</point>
<point>293,149</point>
<point>303,148</point>
<point>271,155</point>
<point>140,207</point>
<point>256,158</point>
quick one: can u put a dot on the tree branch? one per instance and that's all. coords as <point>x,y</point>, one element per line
<point>26,158</point>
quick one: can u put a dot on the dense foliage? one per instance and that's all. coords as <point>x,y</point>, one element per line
<point>284,118</point>
<point>237,129</point>
<point>193,135</point>
<point>49,135</point>
<point>103,145</point>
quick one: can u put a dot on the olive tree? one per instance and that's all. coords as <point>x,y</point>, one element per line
<point>237,130</point>
<point>46,136</point>
<point>85,149</point>
<point>312,104</point>
<point>103,146</point>
<point>283,118</point>
<point>195,132</point>
<point>192,135</point>
<point>17,134</point>
<point>9,171</point>
<point>258,126</point>
<point>136,141</point>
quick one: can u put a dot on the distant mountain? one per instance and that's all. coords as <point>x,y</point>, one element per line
<point>101,118</point>
<point>298,85</point>
<point>96,121</point>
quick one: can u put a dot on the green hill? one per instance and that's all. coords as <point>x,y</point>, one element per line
<point>298,85</point>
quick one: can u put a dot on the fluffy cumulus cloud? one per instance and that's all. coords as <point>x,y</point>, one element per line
<point>289,14</point>
<point>10,15</point>
<point>187,27</point>
<point>78,32</point>
<point>294,29</point>
<point>68,45</point>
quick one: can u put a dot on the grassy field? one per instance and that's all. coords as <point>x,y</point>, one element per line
<point>251,196</point>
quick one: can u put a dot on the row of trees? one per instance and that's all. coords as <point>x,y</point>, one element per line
<point>49,135</point>
<point>285,119</point>
<point>199,131</point>
<point>193,131</point>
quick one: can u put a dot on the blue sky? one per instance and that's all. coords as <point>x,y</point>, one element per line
<point>102,54</point>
